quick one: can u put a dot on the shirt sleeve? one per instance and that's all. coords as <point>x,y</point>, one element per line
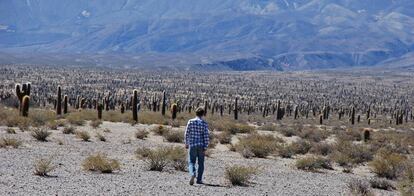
<point>187,134</point>
<point>206,136</point>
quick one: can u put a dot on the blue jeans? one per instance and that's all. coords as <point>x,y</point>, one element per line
<point>196,153</point>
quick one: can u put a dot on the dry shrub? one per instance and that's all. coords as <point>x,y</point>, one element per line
<point>393,141</point>
<point>322,148</point>
<point>10,130</point>
<point>95,123</point>
<point>75,119</point>
<point>346,153</point>
<point>406,184</point>
<point>349,135</point>
<point>313,134</point>
<point>383,184</point>
<point>388,164</point>
<point>101,163</point>
<point>83,135</point>
<point>40,134</point>
<point>142,152</point>
<point>288,131</point>
<point>43,166</point>
<point>174,136</point>
<point>268,127</point>
<point>240,175</point>
<point>157,159</point>
<point>141,134</point>
<point>230,126</point>
<point>8,141</point>
<point>298,147</point>
<point>260,145</point>
<point>178,157</point>
<point>52,125</point>
<point>160,130</point>
<point>224,137</point>
<point>41,117</point>
<point>359,187</point>
<point>100,137</point>
<point>116,116</point>
<point>149,118</point>
<point>69,130</point>
<point>313,163</point>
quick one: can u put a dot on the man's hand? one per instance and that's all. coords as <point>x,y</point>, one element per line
<point>186,146</point>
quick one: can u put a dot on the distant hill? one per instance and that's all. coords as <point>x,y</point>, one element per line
<point>208,34</point>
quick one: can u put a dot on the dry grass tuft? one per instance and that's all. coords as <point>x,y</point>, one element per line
<point>43,166</point>
<point>10,130</point>
<point>69,130</point>
<point>101,163</point>
<point>141,134</point>
<point>95,124</point>
<point>174,136</point>
<point>260,145</point>
<point>388,164</point>
<point>240,175</point>
<point>359,187</point>
<point>378,183</point>
<point>313,163</point>
<point>41,134</point>
<point>100,137</point>
<point>8,141</point>
<point>83,135</point>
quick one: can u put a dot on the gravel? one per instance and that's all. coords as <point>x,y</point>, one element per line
<point>277,176</point>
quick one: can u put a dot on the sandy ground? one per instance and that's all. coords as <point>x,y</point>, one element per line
<point>277,176</point>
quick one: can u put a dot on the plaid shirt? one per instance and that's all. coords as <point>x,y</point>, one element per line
<point>196,133</point>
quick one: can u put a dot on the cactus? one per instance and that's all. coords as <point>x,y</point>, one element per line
<point>78,99</point>
<point>65,104</point>
<point>278,111</point>
<point>369,121</point>
<point>205,107</point>
<point>135,106</point>
<point>353,115</point>
<point>367,135</point>
<point>25,106</point>
<point>22,91</point>
<point>174,111</point>
<point>296,112</point>
<point>236,109</point>
<point>122,108</point>
<point>321,119</point>
<point>221,109</point>
<point>164,103</point>
<point>99,108</point>
<point>59,101</point>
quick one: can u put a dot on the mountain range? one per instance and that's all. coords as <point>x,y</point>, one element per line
<point>208,34</point>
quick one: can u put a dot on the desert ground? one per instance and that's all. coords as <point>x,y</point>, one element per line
<point>299,133</point>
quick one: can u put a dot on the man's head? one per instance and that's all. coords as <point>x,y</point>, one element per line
<point>200,112</point>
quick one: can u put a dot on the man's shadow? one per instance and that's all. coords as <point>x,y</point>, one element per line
<point>213,185</point>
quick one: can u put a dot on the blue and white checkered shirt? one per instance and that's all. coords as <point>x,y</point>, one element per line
<point>196,133</point>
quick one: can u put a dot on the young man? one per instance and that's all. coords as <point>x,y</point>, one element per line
<point>196,141</point>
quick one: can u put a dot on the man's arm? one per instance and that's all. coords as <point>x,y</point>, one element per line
<point>206,137</point>
<point>187,134</point>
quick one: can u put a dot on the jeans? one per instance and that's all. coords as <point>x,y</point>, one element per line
<point>196,153</point>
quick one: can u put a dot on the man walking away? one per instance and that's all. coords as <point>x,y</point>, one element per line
<point>196,141</point>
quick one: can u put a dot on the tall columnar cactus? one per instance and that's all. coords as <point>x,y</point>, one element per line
<point>296,112</point>
<point>22,91</point>
<point>278,111</point>
<point>25,106</point>
<point>221,109</point>
<point>369,112</point>
<point>59,101</point>
<point>135,106</point>
<point>236,109</point>
<point>164,103</point>
<point>106,100</point>
<point>78,100</point>
<point>205,107</point>
<point>65,104</point>
<point>353,115</point>
<point>321,119</point>
<point>122,108</point>
<point>174,110</point>
<point>99,108</point>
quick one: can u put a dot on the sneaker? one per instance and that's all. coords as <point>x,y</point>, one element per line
<point>199,182</point>
<point>192,180</point>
